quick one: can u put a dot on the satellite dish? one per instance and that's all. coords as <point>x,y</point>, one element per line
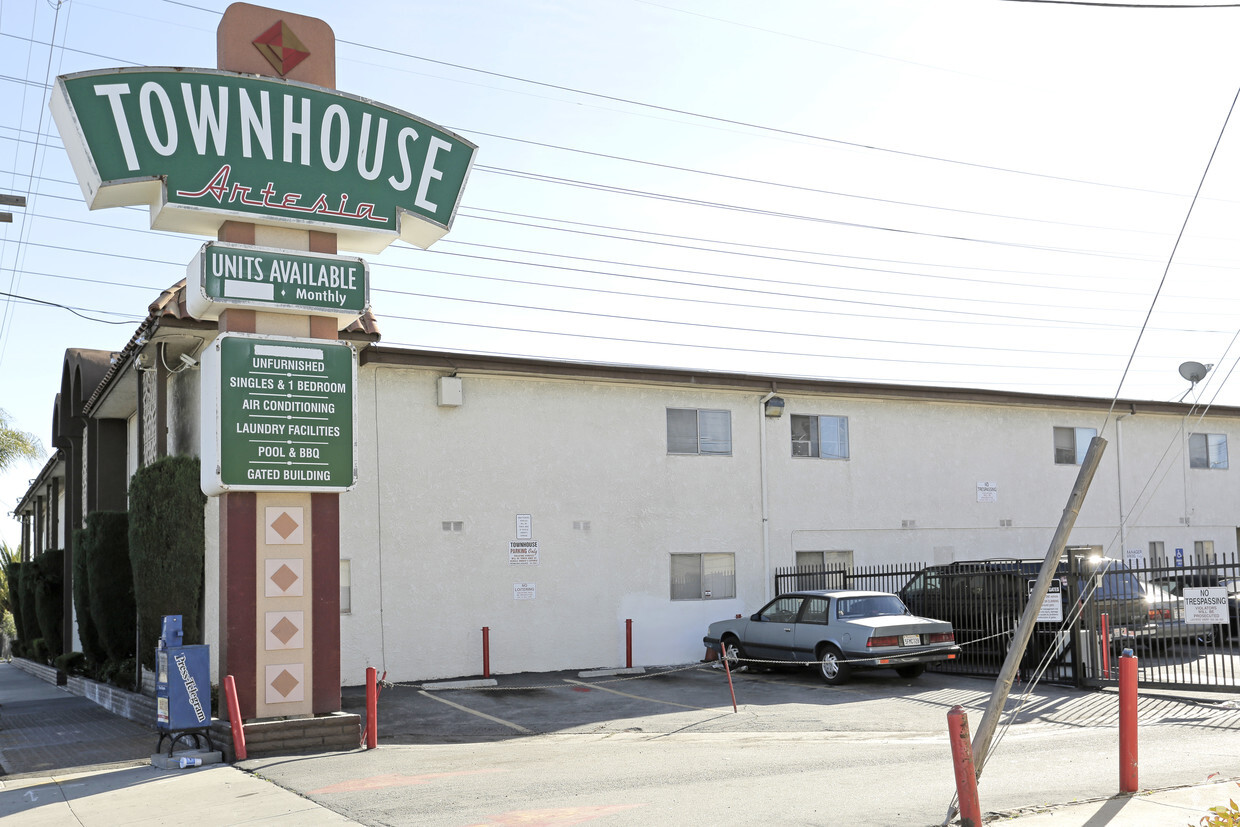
<point>1194,371</point>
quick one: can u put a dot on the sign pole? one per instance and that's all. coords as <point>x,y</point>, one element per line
<point>279,551</point>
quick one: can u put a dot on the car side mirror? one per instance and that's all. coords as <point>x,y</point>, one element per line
<point>754,616</point>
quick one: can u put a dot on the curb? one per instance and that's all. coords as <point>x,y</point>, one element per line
<point>474,684</point>
<point>603,673</point>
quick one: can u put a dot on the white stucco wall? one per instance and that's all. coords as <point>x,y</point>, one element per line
<point>564,453</point>
<point>572,452</point>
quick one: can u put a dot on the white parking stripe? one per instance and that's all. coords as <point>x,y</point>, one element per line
<point>508,724</point>
<point>638,697</point>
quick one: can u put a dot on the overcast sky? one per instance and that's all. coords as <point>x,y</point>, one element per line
<point>981,194</point>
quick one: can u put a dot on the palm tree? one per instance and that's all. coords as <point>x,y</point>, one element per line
<point>16,444</point>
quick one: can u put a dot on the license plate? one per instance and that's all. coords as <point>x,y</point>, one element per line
<point>912,640</point>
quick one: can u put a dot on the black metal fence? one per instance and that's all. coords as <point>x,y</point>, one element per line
<point>1097,608</point>
<point>1181,621</point>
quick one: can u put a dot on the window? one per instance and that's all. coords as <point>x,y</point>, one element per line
<point>346,588</point>
<point>782,610</point>
<point>806,559</point>
<point>1204,550</point>
<point>820,436</point>
<point>703,576</point>
<point>1157,550</point>
<point>1207,450</point>
<point>692,431</point>
<point>815,610</point>
<point>1071,444</point>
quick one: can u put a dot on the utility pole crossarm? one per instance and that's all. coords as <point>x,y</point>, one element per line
<point>10,201</point>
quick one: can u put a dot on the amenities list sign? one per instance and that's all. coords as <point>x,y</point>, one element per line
<point>285,411</point>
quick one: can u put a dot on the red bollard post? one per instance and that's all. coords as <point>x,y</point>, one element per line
<point>628,644</point>
<point>486,651</point>
<point>372,708</point>
<point>1127,722</point>
<point>962,760</point>
<point>234,718</point>
<point>1106,646</point>
<point>727,667</point>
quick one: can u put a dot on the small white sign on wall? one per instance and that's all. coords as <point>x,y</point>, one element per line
<point>525,527</point>
<point>988,492</point>
<point>523,552</point>
<point>522,591</point>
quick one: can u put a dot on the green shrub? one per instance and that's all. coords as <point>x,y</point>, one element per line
<point>166,548</point>
<point>28,625</point>
<point>49,598</point>
<point>83,548</point>
<point>71,663</point>
<point>14,572</point>
<point>119,673</point>
<point>111,582</point>
<point>37,650</point>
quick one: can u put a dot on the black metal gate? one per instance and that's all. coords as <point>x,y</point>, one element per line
<point>1146,607</point>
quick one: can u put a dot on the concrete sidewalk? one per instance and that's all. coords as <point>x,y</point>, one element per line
<point>1158,808</point>
<point>48,739</point>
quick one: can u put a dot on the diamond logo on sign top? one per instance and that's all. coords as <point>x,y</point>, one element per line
<point>281,47</point>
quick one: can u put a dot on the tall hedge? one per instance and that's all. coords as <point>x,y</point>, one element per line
<point>49,599</point>
<point>110,576</point>
<point>91,645</point>
<point>30,617</point>
<point>14,572</point>
<point>167,548</point>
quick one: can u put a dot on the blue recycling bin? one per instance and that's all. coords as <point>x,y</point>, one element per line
<point>182,682</point>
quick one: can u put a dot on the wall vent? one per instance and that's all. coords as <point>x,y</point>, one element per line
<point>1005,523</point>
<point>581,525</point>
<point>453,526</point>
<point>908,524</point>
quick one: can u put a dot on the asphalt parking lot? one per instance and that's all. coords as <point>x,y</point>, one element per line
<point>698,699</point>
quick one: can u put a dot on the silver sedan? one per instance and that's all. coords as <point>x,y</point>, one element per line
<point>837,631</point>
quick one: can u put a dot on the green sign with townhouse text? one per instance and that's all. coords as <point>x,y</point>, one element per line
<point>203,146</point>
<point>284,412</point>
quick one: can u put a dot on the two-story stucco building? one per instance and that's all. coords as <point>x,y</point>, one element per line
<point>551,501</point>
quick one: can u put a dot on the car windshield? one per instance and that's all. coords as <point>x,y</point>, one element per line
<point>1120,584</point>
<point>870,606</point>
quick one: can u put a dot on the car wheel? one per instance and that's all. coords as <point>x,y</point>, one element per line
<point>912,670</point>
<point>832,666</point>
<point>733,651</point>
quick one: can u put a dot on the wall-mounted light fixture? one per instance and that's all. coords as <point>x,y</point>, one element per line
<point>775,407</point>
<point>450,392</point>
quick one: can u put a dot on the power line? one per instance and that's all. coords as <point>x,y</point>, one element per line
<point>1171,257</point>
<point>76,311</point>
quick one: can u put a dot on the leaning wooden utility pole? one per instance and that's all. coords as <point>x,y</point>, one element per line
<point>1024,629</point>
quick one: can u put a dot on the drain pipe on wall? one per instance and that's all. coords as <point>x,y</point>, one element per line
<point>766,517</point>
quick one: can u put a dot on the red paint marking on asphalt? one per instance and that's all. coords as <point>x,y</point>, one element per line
<point>581,689</point>
<point>553,818</point>
<point>378,782</point>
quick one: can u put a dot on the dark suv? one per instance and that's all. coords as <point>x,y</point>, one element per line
<point>983,600</point>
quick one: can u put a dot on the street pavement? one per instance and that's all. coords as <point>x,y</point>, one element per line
<point>562,749</point>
